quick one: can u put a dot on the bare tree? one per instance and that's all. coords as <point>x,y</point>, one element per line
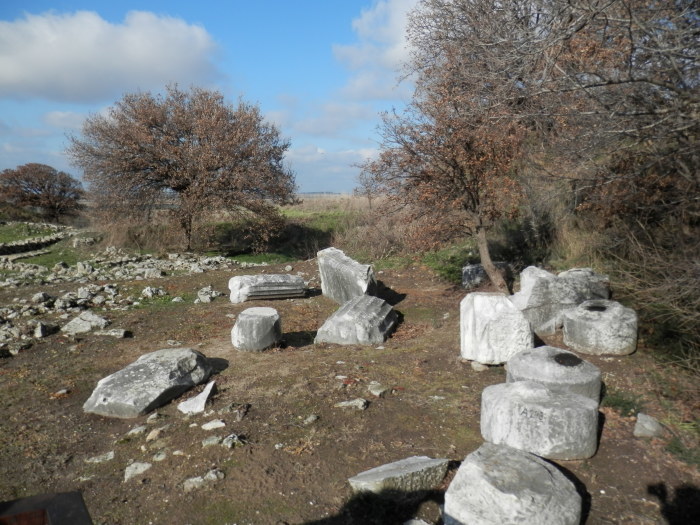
<point>189,149</point>
<point>55,194</point>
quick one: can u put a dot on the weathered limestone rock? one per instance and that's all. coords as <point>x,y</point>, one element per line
<point>135,469</point>
<point>264,286</point>
<point>343,278</point>
<point>474,274</point>
<point>500,485</point>
<point>363,320</point>
<point>557,369</point>
<point>409,475</point>
<point>492,329</point>
<point>647,426</point>
<point>543,296</point>
<point>149,382</point>
<point>196,404</point>
<point>528,416</point>
<point>601,327</point>
<point>256,329</point>
<point>85,322</point>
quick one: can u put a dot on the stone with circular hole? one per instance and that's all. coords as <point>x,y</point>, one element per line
<point>256,329</point>
<point>557,369</point>
<point>531,417</point>
<point>497,484</point>
<point>601,327</point>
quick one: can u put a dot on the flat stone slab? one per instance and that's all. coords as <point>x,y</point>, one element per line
<point>84,323</point>
<point>409,475</point>
<point>600,327</point>
<point>256,329</point>
<point>362,320</point>
<point>492,329</point>
<point>500,485</point>
<point>557,369</point>
<point>149,382</point>
<point>530,417</point>
<point>343,278</point>
<point>197,404</point>
<point>543,297</point>
<point>264,286</point>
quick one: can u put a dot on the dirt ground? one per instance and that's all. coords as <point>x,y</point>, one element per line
<point>290,470</point>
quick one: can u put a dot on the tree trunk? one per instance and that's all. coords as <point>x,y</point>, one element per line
<point>494,274</point>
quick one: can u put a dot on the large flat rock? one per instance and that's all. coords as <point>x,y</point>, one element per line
<point>408,475</point>
<point>149,382</point>
<point>343,278</point>
<point>363,320</point>
<point>500,485</point>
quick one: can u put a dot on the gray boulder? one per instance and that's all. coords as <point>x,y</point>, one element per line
<point>544,297</point>
<point>500,485</point>
<point>85,322</point>
<point>492,329</point>
<point>149,382</point>
<point>256,329</point>
<point>557,369</point>
<point>363,320</point>
<point>343,278</point>
<point>409,475</point>
<point>648,427</point>
<point>529,416</point>
<point>601,327</point>
<point>264,286</point>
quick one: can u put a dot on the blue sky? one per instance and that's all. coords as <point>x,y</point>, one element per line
<point>321,70</point>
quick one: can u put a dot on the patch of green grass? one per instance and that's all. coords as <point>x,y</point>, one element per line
<point>259,258</point>
<point>625,403</point>
<point>57,254</point>
<point>448,262</point>
<point>325,220</point>
<point>19,231</point>
<point>689,455</point>
<point>394,262</point>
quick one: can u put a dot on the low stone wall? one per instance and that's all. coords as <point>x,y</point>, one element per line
<point>34,243</point>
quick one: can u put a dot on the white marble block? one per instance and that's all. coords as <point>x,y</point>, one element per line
<point>256,329</point>
<point>529,416</point>
<point>499,485</point>
<point>408,475</point>
<point>557,369</point>
<point>492,329</point>
<point>601,327</point>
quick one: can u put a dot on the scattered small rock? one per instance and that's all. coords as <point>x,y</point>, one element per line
<point>214,424</point>
<point>356,404</point>
<point>107,456</point>
<point>135,469</point>
<point>647,427</point>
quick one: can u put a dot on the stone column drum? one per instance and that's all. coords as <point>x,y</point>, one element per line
<point>529,416</point>
<point>557,369</point>
<point>256,329</point>
<point>601,327</point>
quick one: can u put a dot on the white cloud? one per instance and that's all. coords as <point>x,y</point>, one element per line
<point>381,51</point>
<point>64,119</point>
<point>80,57</point>
<point>334,118</point>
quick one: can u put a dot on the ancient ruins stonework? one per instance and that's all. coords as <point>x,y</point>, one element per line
<point>266,286</point>
<point>408,475</point>
<point>601,328</point>
<point>544,297</point>
<point>530,417</point>
<point>500,485</point>
<point>492,329</point>
<point>256,329</point>
<point>343,278</point>
<point>557,369</point>
<point>149,382</point>
<point>363,320</point>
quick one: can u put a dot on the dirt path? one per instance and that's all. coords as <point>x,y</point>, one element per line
<point>291,469</point>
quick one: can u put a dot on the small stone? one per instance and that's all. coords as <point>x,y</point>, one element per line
<point>178,299</point>
<point>232,441</point>
<point>214,424</point>
<point>211,441</point>
<point>155,434</point>
<point>479,367</point>
<point>107,456</point>
<point>214,475</point>
<point>137,430</point>
<point>196,404</point>
<point>135,469</point>
<point>153,418</point>
<point>288,268</point>
<point>160,456</point>
<point>409,475</point>
<point>193,483</point>
<point>377,389</point>
<point>356,404</point>
<point>647,427</point>
<point>311,419</point>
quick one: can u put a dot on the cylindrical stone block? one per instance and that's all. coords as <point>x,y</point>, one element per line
<point>601,327</point>
<point>256,329</point>
<point>557,369</point>
<point>498,485</point>
<point>529,416</point>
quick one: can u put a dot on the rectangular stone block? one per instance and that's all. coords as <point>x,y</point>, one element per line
<point>343,278</point>
<point>362,320</point>
<point>264,286</point>
<point>408,475</point>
